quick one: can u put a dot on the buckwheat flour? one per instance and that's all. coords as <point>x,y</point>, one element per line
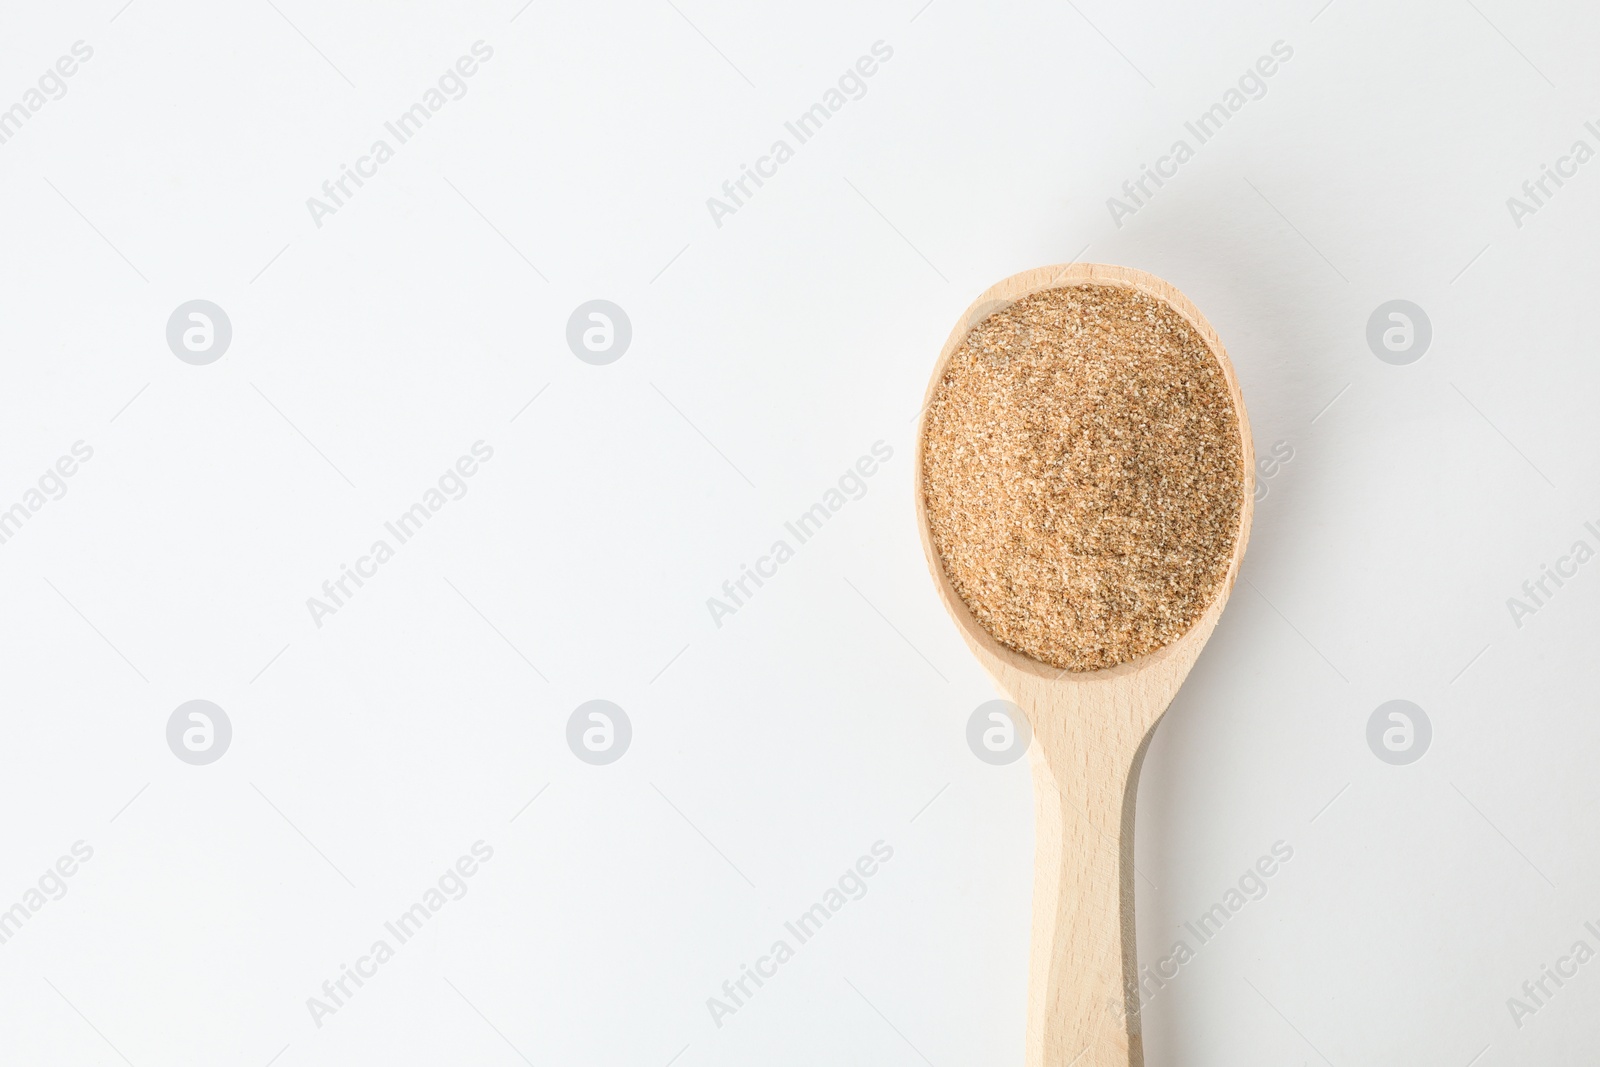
<point>1083,476</point>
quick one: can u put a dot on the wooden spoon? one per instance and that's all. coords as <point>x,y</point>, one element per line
<point>1090,733</point>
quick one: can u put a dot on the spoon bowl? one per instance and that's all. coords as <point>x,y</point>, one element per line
<point>1090,733</point>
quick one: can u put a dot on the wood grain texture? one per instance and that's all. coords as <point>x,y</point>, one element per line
<point>1090,733</point>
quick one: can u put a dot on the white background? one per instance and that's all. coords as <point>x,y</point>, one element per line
<point>767,355</point>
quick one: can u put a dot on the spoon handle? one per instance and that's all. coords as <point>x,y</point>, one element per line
<point>1083,958</point>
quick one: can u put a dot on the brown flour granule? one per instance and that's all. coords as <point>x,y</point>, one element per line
<point>1082,471</point>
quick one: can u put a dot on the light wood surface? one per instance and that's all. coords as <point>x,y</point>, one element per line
<point>1090,732</point>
